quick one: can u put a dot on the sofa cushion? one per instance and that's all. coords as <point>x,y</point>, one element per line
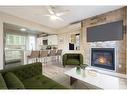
<point>2,82</point>
<point>25,71</point>
<point>73,61</point>
<point>73,56</point>
<point>12,81</point>
<point>41,82</point>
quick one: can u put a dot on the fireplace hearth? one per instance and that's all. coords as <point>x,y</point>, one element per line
<point>103,58</point>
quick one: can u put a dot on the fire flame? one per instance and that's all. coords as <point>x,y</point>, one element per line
<point>102,60</point>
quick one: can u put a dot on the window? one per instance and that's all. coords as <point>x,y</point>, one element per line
<point>9,40</point>
<point>15,40</point>
<point>77,44</point>
<point>22,40</point>
<point>75,41</point>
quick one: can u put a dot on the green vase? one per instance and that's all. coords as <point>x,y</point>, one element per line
<point>78,70</point>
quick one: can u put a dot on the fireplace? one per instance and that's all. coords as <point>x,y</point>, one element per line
<point>103,58</point>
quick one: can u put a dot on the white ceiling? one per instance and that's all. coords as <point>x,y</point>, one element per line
<point>17,28</point>
<point>77,13</point>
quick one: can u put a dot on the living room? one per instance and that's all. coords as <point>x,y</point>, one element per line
<point>65,45</point>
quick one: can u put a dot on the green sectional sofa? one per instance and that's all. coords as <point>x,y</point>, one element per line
<point>27,77</point>
<point>72,59</point>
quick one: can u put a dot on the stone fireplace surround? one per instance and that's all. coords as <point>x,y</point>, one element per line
<point>119,45</point>
<point>106,44</point>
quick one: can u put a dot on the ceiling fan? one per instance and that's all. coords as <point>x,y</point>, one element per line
<point>55,13</point>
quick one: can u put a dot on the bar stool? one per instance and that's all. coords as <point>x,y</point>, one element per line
<point>58,54</point>
<point>43,56</point>
<point>34,56</point>
<point>52,54</point>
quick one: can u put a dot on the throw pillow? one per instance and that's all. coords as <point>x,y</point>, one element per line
<point>13,81</point>
<point>2,82</point>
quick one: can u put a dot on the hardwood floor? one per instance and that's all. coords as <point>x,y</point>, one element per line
<point>56,71</point>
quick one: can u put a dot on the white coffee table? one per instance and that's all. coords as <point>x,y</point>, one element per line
<point>97,79</point>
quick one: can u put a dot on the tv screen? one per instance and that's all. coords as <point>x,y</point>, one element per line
<point>105,32</point>
<point>71,46</point>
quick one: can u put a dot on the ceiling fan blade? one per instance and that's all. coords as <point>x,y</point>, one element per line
<point>50,10</point>
<point>62,13</point>
<point>59,18</point>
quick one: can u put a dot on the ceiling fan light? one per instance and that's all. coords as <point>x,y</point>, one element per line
<point>53,17</point>
<point>58,14</point>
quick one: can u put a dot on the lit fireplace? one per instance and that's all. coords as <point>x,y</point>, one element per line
<point>103,58</point>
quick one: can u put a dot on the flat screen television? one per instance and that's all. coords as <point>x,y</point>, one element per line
<point>105,32</point>
<point>71,46</point>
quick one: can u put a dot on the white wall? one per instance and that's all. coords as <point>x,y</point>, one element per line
<point>21,22</point>
<point>65,34</point>
<point>1,45</point>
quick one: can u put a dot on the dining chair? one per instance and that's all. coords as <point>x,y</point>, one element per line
<point>43,56</point>
<point>58,54</point>
<point>34,56</point>
<point>52,55</point>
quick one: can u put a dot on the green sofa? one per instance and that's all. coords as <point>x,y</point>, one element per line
<point>27,77</point>
<point>72,59</point>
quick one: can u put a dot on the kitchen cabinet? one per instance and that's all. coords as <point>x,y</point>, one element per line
<point>52,40</point>
<point>39,41</point>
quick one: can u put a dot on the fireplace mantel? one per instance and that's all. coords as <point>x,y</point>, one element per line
<point>109,72</point>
